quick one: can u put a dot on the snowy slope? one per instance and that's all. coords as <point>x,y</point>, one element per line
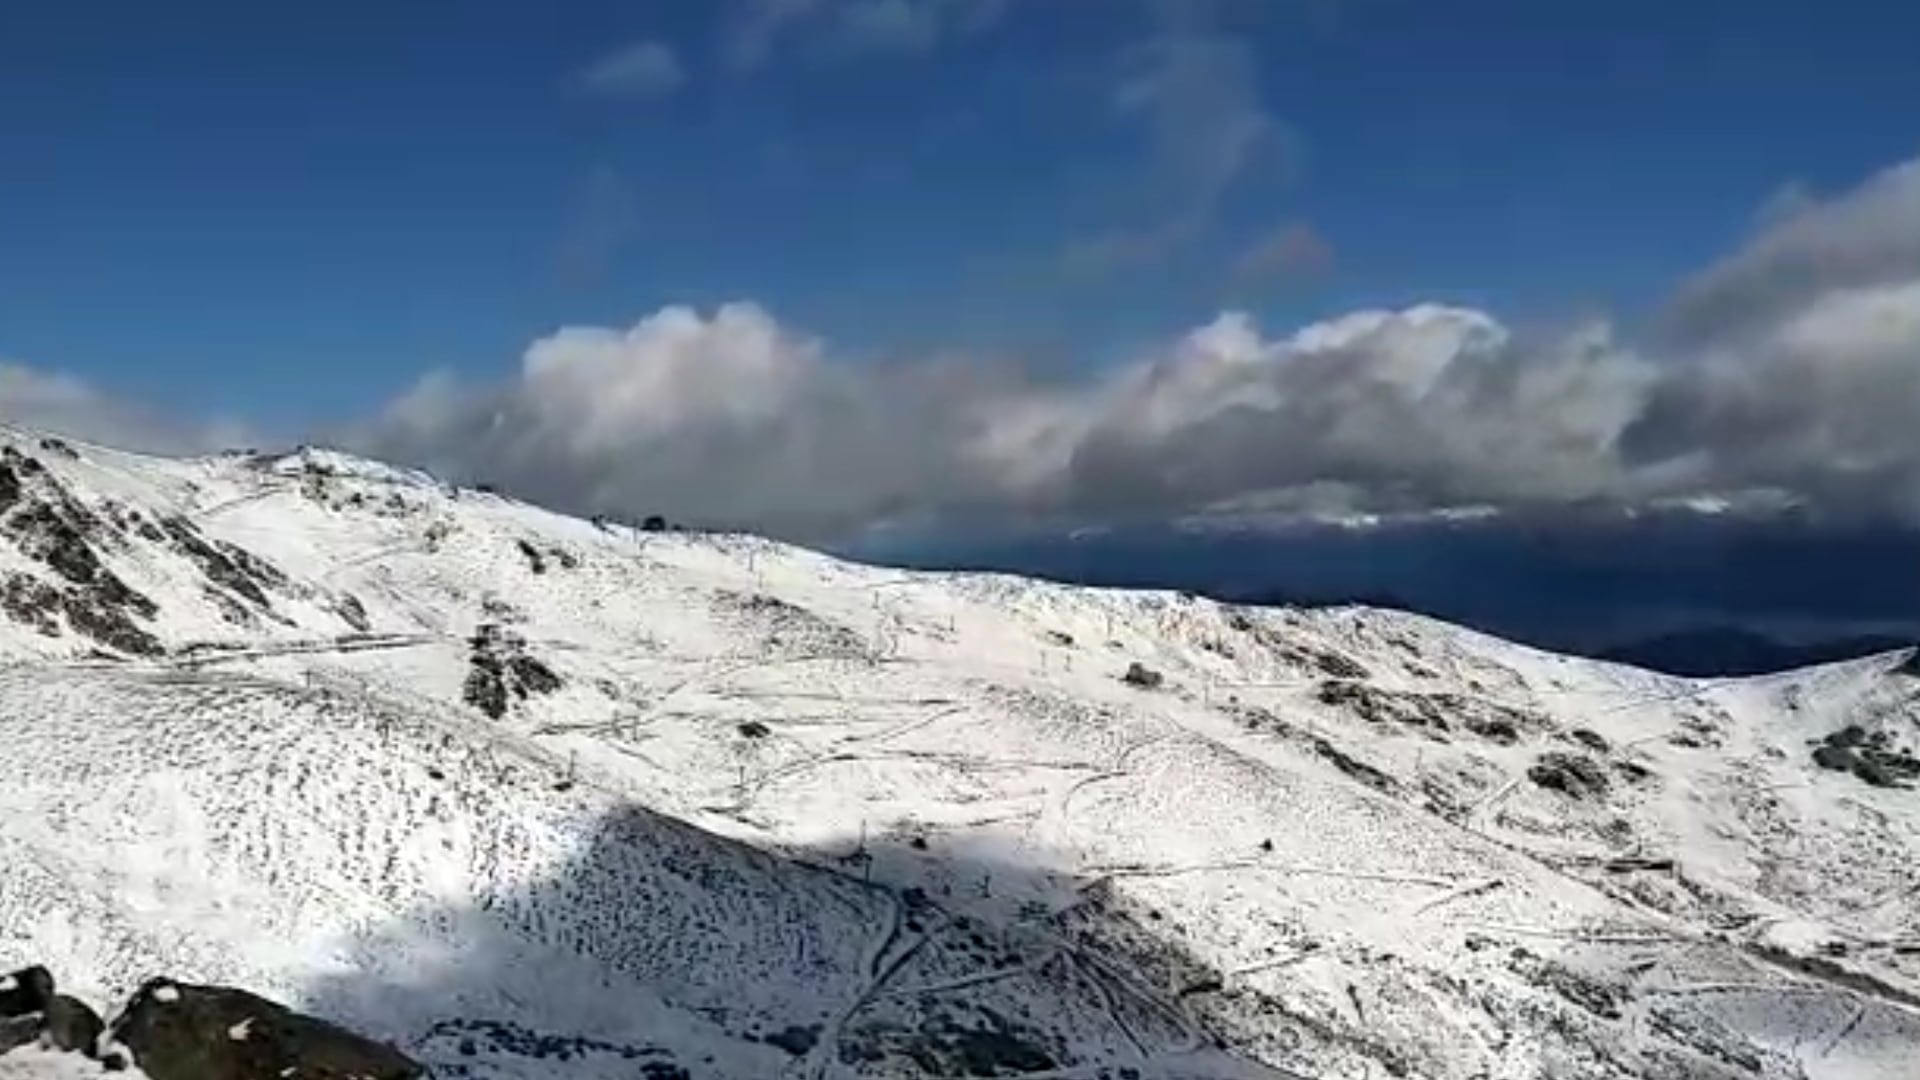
<point>535,796</point>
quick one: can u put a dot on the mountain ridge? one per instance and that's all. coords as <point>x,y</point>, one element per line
<point>536,796</point>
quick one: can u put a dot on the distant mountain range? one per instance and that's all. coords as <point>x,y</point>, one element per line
<point>1685,595</point>
<point>1728,650</point>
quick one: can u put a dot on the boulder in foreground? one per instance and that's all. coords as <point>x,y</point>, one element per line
<point>176,1031</point>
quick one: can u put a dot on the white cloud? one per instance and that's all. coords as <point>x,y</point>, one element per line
<point>1791,367</point>
<point>1295,249</point>
<point>61,404</point>
<point>644,69</point>
<point>735,419</point>
<point>1196,97</point>
<point>1804,382</point>
<point>837,30</point>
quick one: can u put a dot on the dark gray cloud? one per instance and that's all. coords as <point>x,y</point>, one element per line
<point>1798,357</point>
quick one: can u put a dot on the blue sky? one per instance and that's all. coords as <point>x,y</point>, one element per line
<point>288,212</point>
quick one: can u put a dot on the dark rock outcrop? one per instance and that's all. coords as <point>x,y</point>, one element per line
<point>226,566</point>
<point>176,1031</point>
<point>500,672</point>
<point>1574,775</point>
<point>31,1012</point>
<point>48,525</point>
<point>1870,756</point>
<point>1142,676</point>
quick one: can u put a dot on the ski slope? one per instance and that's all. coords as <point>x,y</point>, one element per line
<point>534,796</point>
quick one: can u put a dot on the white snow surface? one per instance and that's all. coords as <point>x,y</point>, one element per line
<point>785,815</point>
<point>39,1063</point>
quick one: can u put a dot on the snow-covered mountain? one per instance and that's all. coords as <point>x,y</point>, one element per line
<point>534,796</point>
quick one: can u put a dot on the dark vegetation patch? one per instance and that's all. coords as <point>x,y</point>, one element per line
<point>1430,713</point>
<point>499,671</point>
<point>797,1039</point>
<point>790,629</point>
<point>1574,775</point>
<point>1143,677</point>
<point>1597,996</point>
<point>1328,663</point>
<point>1870,756</point>
<point>469,1037</point>
<point>1835,973</point>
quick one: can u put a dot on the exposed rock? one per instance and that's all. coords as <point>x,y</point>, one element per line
<point>535,561</point>
<point>176,1031</point>
<point>228,566</point>
<point>795,1040</point>
<point>1575,775</point>
<point>72,1025</point>
<point>352,612</point>
<point>1597,996</point>
<point>500,672</point>
<point>26,991</point>
<point>1430,712</point>
<point>55,445</point>
<point>31,1012</point>
<point>53,528</point>
<point>1592,740</point>
<point>1353,767</point>
<point>1871,757</point>
<point>1142,676</point>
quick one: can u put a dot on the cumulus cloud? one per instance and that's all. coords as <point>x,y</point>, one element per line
<point>727,419</point>
<point>1789,369</point>
<point>1798,357</point>
<point>735,419</point>
<point>645,69</point>
<point>61,404</point>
